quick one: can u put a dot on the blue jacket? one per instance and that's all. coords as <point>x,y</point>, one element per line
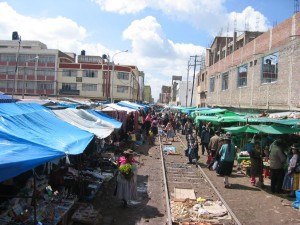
<point>227,154</point>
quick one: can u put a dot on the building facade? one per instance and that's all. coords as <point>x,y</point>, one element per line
<point>184,97</point>
<point>147,94</point>
<point>29,68</point>
<point>255,70</point>
<point>165,94</point>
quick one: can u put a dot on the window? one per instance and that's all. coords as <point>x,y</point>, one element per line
<point>69,73</point>
<point>45,86</point>
<point>8,58</point>
<point>69,86</point>
<point>10,70</point>
<point>212,84</point>
<point>123,76</point>
<point>122,89</point>
<point>202,77</point>
<point>90,73</point>
<point>89,87</point>
<point>242,76</point>
<point>47,58</point>
<point>3,84</point>
<point>45,72</point>
<point>270,68</point>
<point>224,81</point>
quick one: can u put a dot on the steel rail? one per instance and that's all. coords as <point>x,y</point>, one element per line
<point>216,191</point>
<point>168,208</point>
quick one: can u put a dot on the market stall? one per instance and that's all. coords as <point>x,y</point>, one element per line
<point>42,169</point>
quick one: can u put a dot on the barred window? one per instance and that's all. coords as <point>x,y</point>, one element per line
<point>224,81</point>
<point>270,68</point>
<point>242,76</point>
<point>212,84</point>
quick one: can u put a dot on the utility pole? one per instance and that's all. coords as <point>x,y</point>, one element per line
<point>187,83</point>
<point>196,63</point>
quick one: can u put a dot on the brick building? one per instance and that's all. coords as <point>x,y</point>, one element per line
<point>255,70</point>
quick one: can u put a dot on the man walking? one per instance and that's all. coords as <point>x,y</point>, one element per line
<point>205,139</point>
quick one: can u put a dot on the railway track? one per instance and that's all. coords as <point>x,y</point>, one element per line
<point>180,176</point>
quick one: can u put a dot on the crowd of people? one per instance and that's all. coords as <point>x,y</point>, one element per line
<point>221,151</point>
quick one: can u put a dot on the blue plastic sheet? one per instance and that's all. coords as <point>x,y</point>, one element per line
<point>117,124</point>
<point>31,135</point>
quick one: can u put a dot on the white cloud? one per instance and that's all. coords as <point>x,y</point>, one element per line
<point>60,32</point>
<point>122,7</point>
<point>208,15</point>
<point>159,57</point>
<point>151,51</point>
<point>255,20</point>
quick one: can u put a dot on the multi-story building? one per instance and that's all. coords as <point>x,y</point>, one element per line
<point>165,95</point>
<point>94,78</point>
<point>30,68</point>
<point>147,94</point>
<point>184,94</point>
<point>254,70</point>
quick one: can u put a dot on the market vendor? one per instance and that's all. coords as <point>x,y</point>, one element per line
<point>126,188</point>
<point>256,165</point>
<point>291,178</point>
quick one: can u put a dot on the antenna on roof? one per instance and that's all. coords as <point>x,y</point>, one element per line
<point>246,22</point>
<point>234,23</point>
<point>257,22</point>
<point>296,6</point>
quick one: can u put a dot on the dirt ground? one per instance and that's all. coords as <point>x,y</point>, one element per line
<point>251,205</point>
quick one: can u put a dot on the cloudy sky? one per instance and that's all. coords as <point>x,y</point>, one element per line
<point>160,35</point>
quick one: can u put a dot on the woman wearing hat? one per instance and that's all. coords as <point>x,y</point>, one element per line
<point>227,155</point>
<point>291,178</point>
<point>126,180</point>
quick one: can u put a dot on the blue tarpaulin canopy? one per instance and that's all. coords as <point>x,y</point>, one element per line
<point>105,117</point>
<point>6,98</point>
<point>130,105</point>
<point>31,135</point>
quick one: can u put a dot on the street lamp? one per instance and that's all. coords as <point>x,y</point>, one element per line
<point>36,59</point>
<point>113,72</point>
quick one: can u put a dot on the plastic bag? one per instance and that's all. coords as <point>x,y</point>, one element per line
<point>215,165</point>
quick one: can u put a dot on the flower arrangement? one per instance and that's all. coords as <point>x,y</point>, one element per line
<point>126,170</point>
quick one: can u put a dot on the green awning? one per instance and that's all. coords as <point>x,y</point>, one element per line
<point>232,119</point>
<point>243,129</point>
<point>268,129</point>
<point>212,111</point>
<point>276,129</point>
<point>206,118</point>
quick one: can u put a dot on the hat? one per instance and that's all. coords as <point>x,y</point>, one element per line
<point>129,152</point>
<point>227,136</point>
<point>296,146</point>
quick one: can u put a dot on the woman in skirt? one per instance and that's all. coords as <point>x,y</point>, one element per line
<point>291,178</point>
<point>227,155</point>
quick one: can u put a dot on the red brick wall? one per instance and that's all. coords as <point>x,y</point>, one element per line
<point>282,94</point>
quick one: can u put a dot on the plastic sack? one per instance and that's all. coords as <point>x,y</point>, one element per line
<point>215,165</point>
